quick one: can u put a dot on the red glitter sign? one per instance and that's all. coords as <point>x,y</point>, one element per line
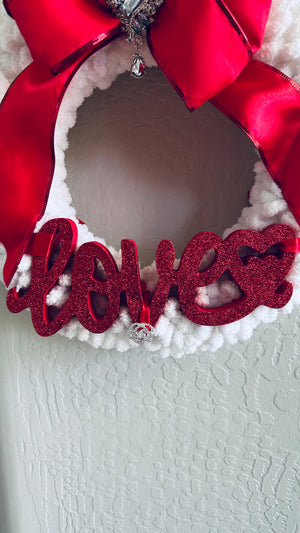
<point>260,275</point>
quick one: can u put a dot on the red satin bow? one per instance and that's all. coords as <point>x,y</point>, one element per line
<point>204,47</point>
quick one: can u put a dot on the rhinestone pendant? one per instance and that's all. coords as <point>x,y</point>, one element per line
<point>130,5</point>
<point>138,67</point>
<point>141,332</point>
<point>136,16</point>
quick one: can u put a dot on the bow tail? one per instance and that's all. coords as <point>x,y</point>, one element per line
<point>28,117</point>
<point>265,104</point>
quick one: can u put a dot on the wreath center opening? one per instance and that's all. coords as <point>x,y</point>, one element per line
<point>141,166</point>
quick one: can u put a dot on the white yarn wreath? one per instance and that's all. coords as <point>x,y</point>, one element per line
<point>174,334</point>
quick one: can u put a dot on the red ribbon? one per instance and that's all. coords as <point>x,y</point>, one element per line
<point>291,245</point>
<point>204,47</point>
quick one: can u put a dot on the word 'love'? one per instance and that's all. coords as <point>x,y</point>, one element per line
<point>260,277</point>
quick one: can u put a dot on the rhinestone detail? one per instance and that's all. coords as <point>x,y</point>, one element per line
<point>138,67</point>
<point>136,16</point>
<point>141,332</point>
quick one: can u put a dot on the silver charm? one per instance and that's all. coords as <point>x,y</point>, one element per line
<point>138,66</point>
<point>141,332</point>
<point>136,16</point>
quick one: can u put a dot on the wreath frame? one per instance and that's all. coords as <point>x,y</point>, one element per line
<point>174,334</point>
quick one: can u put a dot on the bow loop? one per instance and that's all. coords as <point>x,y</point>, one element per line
<point>200,47</point>
<point>251,16</point>
<point>57,33</point>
